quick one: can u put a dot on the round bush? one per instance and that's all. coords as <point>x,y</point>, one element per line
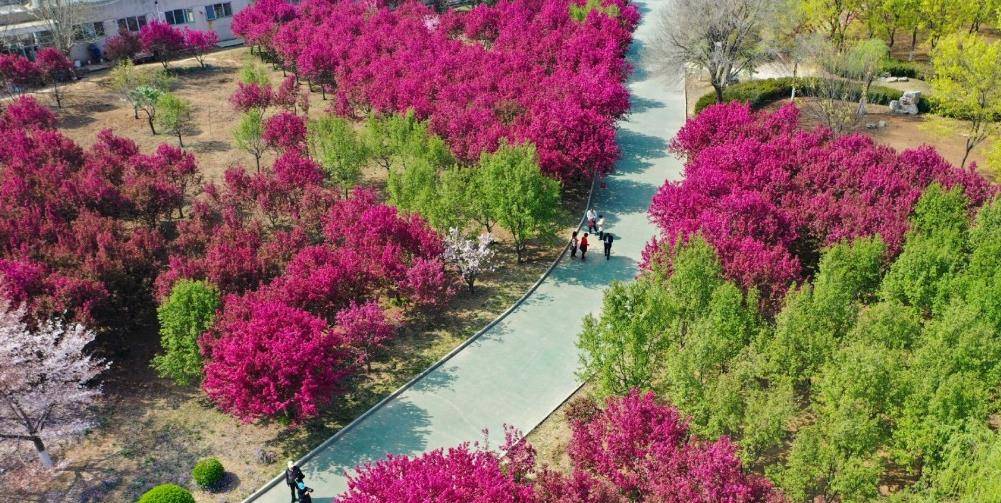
<point>208,472</point>
<point>167,493</point>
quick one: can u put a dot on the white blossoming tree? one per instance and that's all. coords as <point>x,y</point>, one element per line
<point>44,376</point>
<point>471,257</point>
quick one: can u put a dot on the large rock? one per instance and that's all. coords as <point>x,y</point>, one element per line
<point>907,104</point>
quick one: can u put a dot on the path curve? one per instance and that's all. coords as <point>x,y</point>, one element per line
<point>522,366</point>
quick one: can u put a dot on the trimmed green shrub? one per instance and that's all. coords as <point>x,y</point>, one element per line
<point>907,69</point>
<point>208,473</point>
<point>167,493</point>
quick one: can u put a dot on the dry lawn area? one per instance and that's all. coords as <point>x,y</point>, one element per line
<point>151,431</point>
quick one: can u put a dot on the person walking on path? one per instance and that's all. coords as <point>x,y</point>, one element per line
<point>592,218</point>
<point>573,244</point>
<point>607,240</point>
<point>583,247</point>
<point>304,492</point>
<point>293,475</point>
<point>600,225</point>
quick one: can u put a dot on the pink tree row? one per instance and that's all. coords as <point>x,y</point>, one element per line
<point>769,195</point>
<point>634,450</point>
<point>163,42</point>
<point>521,70</point>
<point>304,268</point>
<point>82,232</point>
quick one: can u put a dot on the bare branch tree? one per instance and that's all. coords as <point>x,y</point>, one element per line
<point>842,94</point>
<point>720,37</point>
<point>63,19</point>
<point>44,380</point>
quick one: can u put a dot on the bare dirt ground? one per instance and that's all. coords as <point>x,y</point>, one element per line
<point>92,106</point>
<point>151,431</point>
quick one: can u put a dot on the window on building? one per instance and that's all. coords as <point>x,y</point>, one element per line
<point>88,31</point>
<point>218,10</point>
<point>131,23</point>
<point>179,16</point>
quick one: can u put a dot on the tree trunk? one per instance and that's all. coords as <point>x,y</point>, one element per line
<point>257,160</point>
<point>56,94</point>
<point>179,142</point>
<point>966,154</point>
<point>914,43</point>
<point>135,112</point>
<point>149,119</point>
<point>43,455</point>
<point>893,36</point>
<point>719,92</point>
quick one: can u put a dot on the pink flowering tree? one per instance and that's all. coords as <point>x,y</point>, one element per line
<point>18,74</point>
<point>251,96</point>
<point>55,68</point>
<point>82,231</point>
<point>523,70</point>
<point>285,132</point>
<point>25,112</point>
<point>124,45</point>
<point>272,359</point>
<point>641,447</point>
<point>162,40</point>
<point>636,449</point>
<point>463,473</point>
<point>769,195</point>
<point>199,43</point>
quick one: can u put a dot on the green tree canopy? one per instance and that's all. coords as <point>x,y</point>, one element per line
<point>184,315</point>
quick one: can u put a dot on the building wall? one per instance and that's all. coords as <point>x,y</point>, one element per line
<point>108,14</point>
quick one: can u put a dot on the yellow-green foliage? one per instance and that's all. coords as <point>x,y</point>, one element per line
<point>579,12</point>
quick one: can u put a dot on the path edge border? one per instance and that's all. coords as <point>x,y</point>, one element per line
<point>441,361</point>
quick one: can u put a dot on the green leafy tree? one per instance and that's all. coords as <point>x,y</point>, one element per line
<point>397,139</point>
<point>124,78</point>
<point>621,350</point>
<point>184,316</point>
<point>933,254</point>
<point>252,73</point>
<point>249,135</point>
<point>339,149</point>
<point>174,115</point>
<point>967,83</point>
<point>145,98</point>
<point>522,199</point>
<point>814,318</point>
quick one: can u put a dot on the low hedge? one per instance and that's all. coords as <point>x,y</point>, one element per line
<point>897,68</point>
<point>759,93</point>
<point>167,493</point>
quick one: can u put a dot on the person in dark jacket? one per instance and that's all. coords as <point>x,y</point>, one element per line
<point>607,240</point>
<point>583,247</point>
<point>573,244</point>
<point>304,492</point>
<point>293,475</point>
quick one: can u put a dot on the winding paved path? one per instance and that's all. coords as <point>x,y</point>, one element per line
<point>521,368</point>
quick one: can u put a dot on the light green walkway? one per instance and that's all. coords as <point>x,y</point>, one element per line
<point>521,368</point>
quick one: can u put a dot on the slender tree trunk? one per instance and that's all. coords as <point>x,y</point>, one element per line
<point>914,43</point>
<point>719,92</point>
<point>135,112</point>
<point>179,142</point>
<point>893,36</point>
<point>43,454</point>
<point>969,147</point>
<point>257,160</point>
<point>149,119</point>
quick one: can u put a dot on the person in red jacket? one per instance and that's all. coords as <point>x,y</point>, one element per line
<point>583,247</point>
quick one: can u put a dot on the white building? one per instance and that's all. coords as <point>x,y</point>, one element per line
<point>22,32</point>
